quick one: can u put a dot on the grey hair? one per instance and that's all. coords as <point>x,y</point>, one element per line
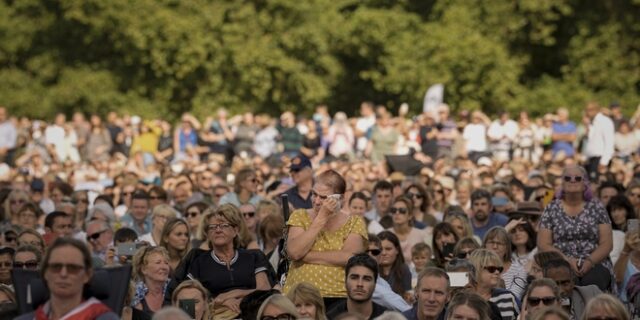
<point>171,313</point>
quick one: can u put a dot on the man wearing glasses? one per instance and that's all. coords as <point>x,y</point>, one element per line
<point>99,237</point>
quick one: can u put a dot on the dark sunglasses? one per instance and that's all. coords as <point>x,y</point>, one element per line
<point>463,255</point>
<point>284,316</point>
<point>192,214</point>
<point>248,214</point>
<point>493,269</point>
<point>547,301</point>
<point>398,210</point>
<point>572,178</point>
<point>10,239</point>
<point>96,235</point>
<point>414,195</point>
<point>374,252</point>
<point>71,268</point>
<point>31,264</point>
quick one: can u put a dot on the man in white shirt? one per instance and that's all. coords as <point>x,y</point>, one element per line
<point>502,133</point>
<point>8,136</point>
<point>54,136</point>
<point>363,124</point>
<point>600,144</point>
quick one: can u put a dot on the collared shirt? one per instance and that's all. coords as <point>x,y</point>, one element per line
<point>8,135</point>
<point>600,142</point>
<point>495,220</point>
<point>297,201</point>
<point>341,307</point>
<point>128,221</point>
<point>412,314</point>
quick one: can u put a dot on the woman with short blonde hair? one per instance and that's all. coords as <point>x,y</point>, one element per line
<point>277,306</point>
<point>308,301</point>
<point>605,306</point>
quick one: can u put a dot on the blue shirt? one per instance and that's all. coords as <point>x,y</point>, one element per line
<point>128,221</point>
<point>495,220</point>
<point>565,146</point>
<point>297,201</point>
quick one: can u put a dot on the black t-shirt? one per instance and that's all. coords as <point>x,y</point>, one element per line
<point>297,201</point>
<point>218,278</point>
<point>341,308</point>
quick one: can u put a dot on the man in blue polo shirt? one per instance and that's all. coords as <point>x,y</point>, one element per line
<point>302,174</point>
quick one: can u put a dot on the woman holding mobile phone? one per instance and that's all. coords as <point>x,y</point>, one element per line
<point>444,241</point>
<point>192,297</point>
<point>322,239</point>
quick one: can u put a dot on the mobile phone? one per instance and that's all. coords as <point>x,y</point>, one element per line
<point>447,249</point>
<point>188,306</point>
<point>458,279</point>
<point>126,249</point>
<point>337,197</point>
<point>499,201</point>
<point>633,225</point>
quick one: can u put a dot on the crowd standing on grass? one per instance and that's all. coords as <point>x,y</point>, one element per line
<point>441,216</point>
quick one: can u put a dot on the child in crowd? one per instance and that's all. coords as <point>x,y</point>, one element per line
<point>420,259</point>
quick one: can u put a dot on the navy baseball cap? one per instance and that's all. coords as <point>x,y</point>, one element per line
<point>299,162</point>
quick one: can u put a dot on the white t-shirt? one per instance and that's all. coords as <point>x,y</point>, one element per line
<point>476,137</point>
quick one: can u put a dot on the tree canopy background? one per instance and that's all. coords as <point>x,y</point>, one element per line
<point>165,57</point>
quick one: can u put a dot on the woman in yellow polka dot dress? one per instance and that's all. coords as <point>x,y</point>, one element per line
<point>322,239</point>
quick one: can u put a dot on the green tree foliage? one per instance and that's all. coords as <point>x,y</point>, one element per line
<point>165,57</point>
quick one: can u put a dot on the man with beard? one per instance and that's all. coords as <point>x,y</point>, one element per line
<point>361,273</point>
<point>432,293</point>
<point>483,218</point>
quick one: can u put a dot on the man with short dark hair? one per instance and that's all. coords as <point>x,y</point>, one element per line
<point>59,224</point>
<point>6,263</point>
<point>432,293</point>
<point>575,298</point>
<point>361,273</point>
<point>382,200</point>
<point>302,174</point>
<point>608,190</point>
<point>138,217</point>
<point>483,218</point>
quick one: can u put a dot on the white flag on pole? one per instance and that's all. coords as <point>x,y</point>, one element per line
<point>433,98</point>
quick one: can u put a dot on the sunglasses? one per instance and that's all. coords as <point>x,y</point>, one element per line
<point>127,193</point>
<point>96,235</point>
<point>247,215</point>
<point>10,239</point>
<point>414,195</point>
<point>70,267</point>
<point>284,316</point>
<point>463,255</point>
<point>572,178</point>
<point>31,264</point>
<point>374,252</point>
<point>547,301</point>
<point>493,269</point>
<point>398,210</point>
<point>192,214</point>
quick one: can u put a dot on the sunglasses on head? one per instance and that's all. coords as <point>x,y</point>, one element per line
<point>547,301</point>
<point>373,252</point>
<point>398,210</point>
<point>572,178</point>
<point>493,269</point>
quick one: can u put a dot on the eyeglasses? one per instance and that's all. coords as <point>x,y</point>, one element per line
<point>221,226</point>
<point>572,178</point>
<point>96,235</point>
<point>398,210</point>
<point>495,243</point>
<point>295,170</point>
<point>414,195</point>
<point>248,215</point>
<point>284,316</point>
<point>71,268</point>
<point>493,269</point>
<point>31,264</point>
<point>547,301</point>
<point>374,252</point>
<point>31,243</point>
<point>192,214</point>
<point>438,190</point>
<point>157,198</point>
<point>126,194</point>
<point>463,255</point>
<point>316,195</point>
<point>9,238</point>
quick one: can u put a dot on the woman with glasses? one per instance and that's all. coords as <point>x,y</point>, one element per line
<point>514,275</point>
<point>193,215</point>
<point>245,189</point>
<point>66,270</point>
<point>28,215</point>
<point>151,275</point>
<point>16,199</point>
<point>541,293</point>
<point>423,212</point>
<point>403,228</point>
<point>27,257</point>
<point>464,247</point>
<point>392,265</point>
<point>175,238</point>
<point>439,199</point>
<point>31,237</point>
<point>322,239</point>
<point>487,282</point>
<point>577,225</point>
<point>227,271</point>
<point>277,307</point>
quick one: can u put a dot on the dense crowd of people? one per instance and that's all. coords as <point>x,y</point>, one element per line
<point>437,216</point>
